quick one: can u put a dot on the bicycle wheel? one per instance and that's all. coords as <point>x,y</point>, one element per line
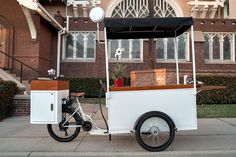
<point>65,133</point>
<point>155,131</point>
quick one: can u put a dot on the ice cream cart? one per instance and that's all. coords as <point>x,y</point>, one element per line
<point>152,113</point>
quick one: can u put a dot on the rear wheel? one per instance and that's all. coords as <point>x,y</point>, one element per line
<point>155,131</point>
<point>68,131</point>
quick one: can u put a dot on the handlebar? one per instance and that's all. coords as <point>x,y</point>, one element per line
<point>103,86</point>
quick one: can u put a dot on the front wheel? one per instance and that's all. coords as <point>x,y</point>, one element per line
<point>68,131</point>
<point>155,131</point>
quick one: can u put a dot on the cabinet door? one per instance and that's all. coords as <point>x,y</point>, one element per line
<point>43,107</point>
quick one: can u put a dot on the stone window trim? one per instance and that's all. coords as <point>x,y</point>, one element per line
<point>172,61</point>
<point>75,34</point>
<point>221,36</point>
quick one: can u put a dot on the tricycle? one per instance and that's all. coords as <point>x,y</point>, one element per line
<point>152,113</point>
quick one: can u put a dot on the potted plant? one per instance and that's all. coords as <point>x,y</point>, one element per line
<point>118,69</point>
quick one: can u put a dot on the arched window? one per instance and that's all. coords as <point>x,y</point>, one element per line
<point>134,48</point>
<point>131,8</point>
<point>163,9</point>
<point>216,48</point>
<point>227,48</point>
<point>139,8</point>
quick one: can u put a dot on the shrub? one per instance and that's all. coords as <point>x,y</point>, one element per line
<point>90,86</point>
<point>218,96</point>
<point>7,90</point>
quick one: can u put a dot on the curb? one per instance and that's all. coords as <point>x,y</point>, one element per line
<point>205,153</point>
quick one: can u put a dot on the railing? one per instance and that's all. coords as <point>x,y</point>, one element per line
<point>21,66</point>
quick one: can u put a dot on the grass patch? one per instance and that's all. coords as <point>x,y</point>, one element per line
<point>203,111</point>
<point>92,100</point>
<point>216,111</point>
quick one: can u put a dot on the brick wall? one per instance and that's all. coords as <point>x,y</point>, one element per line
<point>154,77</point>
<point>21,105</point>
<point>97,68</point>
<point>36,53</point>
<point>47,36</point>
<point>42,53</point>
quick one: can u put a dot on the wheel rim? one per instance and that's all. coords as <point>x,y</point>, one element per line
<point>155,132</point>
<point>65,131</point>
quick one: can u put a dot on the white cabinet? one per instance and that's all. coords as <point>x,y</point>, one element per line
<point>46,102</point>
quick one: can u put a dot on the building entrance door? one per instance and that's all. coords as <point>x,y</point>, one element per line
<point>4,36</point>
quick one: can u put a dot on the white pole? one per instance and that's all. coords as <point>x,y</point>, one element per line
<point>98,35</point>
<point>193,60</point>
<point>58,52</point>
<point>67,23</point>
<point>176,60</point>
<point>107,66</point>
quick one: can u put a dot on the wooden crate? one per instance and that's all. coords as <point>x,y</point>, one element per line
<point>49,85</point>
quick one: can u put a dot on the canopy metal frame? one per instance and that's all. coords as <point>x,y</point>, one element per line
<point>136,28</point>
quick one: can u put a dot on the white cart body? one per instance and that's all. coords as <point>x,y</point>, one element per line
<point>125,108</point>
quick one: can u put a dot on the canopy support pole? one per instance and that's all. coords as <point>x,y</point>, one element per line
<point>59,52</point>
<point>107,66</point>
<point>193,60</point>
<point>176,60</point>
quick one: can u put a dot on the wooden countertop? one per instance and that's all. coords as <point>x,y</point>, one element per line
<point>129,88</point>
<point>199,87</point>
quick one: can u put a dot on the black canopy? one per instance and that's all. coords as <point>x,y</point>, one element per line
<point>134,28</point>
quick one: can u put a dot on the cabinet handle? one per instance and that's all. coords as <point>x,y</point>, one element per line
<point>51,107</point>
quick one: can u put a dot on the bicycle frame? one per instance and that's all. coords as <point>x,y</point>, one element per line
<point>84,116</point>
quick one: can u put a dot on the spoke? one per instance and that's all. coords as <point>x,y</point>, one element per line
<point>158,139</point>
<point>153,139</point>
<point>161,139</point>
<point>150,124</point>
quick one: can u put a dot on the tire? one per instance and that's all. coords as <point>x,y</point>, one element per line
<point>155,131</point>
<point>65,134</point>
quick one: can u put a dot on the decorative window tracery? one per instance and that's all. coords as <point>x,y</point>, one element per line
<point>80,46</point>
<point>165,48</point>
<point>163,9</point>
<point>139,8</point>
<point>131,8</point>
<point>219,46</point>
<point>132,49</point>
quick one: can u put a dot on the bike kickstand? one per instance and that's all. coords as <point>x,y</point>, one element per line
<point>109,137</point>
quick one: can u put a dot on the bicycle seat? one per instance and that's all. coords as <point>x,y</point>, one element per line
<point>79,94</point>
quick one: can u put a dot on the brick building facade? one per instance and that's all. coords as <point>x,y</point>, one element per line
<point>83,56</point>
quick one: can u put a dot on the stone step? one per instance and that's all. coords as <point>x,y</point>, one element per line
<point>13,75</point>
<point>7,76</point>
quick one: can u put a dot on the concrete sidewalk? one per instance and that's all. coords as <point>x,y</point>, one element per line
<point>214,137</point>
